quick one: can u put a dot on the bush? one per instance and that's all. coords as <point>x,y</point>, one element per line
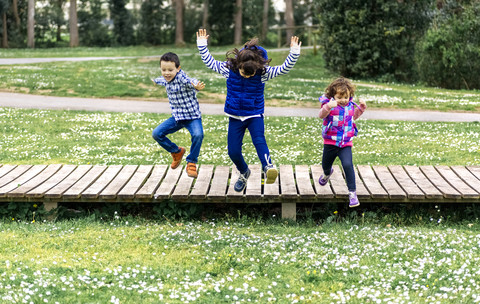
<point>372,39</point>
<point>449,54</point>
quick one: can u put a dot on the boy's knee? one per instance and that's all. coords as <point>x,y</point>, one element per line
<point>197,136</point>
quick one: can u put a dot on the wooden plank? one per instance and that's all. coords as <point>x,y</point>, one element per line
<point>218,188</point>
<point>231,193</point>
<point>84,181</point>
<point>389,183</point>
<point>437,180</point>
<point>253,191</point>
<point>456,182</point>
<point>467,177</point>
<point>13,174</point>
<point>407,184</point>
<point>338,183</point>
<point>287,182</point>
<point>475,170</point>
<point>362,191</point>
<point>271,191</point>
<point>122,178</point>
<point>152,183</point>
<point>322,191</point>
<point>431,192</point>
<point>304,182</point>
<point>20,180</point>
<point>202,183</point>
<point>183,187</point>
<point>54,180</point>
<point>5,169</point>
<point>371,182</point>
<point>35,181</point>
<point>168,184</point>
<point>94,190</point>
<point>59,189</point>
<point>134,184</point>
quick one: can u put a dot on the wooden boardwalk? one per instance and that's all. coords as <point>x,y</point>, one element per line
<point>56,183</point>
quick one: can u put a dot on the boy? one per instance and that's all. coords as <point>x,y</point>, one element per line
<point>182,96</point>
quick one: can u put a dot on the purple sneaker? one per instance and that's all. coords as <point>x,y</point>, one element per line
<point>353,199</point>
<point>323,180</point>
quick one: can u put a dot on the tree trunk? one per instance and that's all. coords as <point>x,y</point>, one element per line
<point>4,34</point>
<point>238,23</point>
<point>31,24</point>
<point>179,41</point>
<point>205,16</point>
<point>73,22</point>
<point>15,13</point>
<point>266,5</point>
<point>290,23</point>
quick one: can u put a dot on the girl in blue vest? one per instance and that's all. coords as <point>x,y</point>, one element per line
<point>339,112</point>
<point>246,71</point>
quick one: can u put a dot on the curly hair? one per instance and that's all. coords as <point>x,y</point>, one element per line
<point>340,85</point>
<point>250,59</point>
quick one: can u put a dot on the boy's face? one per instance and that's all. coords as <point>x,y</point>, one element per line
<point>169,70</point>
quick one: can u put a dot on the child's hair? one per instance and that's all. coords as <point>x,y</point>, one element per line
<point>340,85</point>
<point>251,59</point>
<point>171,57</point>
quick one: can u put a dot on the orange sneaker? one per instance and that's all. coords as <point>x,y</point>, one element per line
<point>192,170</point>
<point>177,157</point>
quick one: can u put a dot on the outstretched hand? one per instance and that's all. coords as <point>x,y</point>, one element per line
<point>202,34</point>
<point>294,42</point>
<point>199,86</point>
<point>332,103</point>
<point>362,102</point>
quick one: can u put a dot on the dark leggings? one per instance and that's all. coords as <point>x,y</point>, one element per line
<point>330,152</point>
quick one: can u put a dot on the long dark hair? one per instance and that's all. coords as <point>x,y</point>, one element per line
<point>250,59</point>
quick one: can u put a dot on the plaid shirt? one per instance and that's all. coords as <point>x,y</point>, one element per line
<point>182,96</point>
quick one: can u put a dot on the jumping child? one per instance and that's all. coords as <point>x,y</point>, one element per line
<point>182,96</point>
<point>246,71</point>
<point>338,113</point>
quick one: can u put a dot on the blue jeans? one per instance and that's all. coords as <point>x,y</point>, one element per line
<point>170,126</point>
<point>236,132</point>
<point>330,152</point>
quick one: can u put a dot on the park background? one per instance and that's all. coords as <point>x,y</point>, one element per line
<point>402,55</point>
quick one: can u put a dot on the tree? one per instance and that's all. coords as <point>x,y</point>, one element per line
<point>289,21</point>
<point>266,6</point>
<point>3,13</point>
<point>73,22</point>
<point>238,22</point>
<point>205,24</point>
<point>31,24</point>
<point>122,22</point>
<point>179,11</point>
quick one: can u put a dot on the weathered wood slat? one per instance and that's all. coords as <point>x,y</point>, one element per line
<point>338,183</point>
<point>152,183</point>
<point>218,188</point>
<point>371,182</point>
<point>456,182</point>
<point>431,192</point>
<point>20,180</point>
<point>13,174</point>
<point>467,177</point>
<point>5,169</point>
<point>54,180</point>
<point>35,181</point>
<point>79,185</point>
<point>94,190</point>
<point>287,182</point>
<point>253,192</point>
<point>233,195</point>
<point>183,187</point>
<point>304,182</point>
<point>475,170</point>
<point>389,183</point>
<point>407,184</point>
<point>362,191</point>
<point>437,180</point>
<point>169,182</point>
<point>114,187</point>
<point>322,191</point>
<point>202,183</point>
<point>59,189</point>
<point>271,191</point>
<point>134,184</point>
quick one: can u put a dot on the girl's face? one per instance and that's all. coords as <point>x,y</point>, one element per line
<point>169,70</point>
<point>342,98</point>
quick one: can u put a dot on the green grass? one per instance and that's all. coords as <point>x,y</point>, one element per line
<point>71,137</point>
<point>130,78</point>
<point>238,260</point>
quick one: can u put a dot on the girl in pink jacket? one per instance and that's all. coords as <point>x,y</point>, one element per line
<point>338,113</point>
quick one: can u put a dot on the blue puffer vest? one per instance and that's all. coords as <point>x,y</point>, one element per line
<point>244,95</point>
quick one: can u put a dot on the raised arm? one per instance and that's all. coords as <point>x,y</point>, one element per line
<point>361,108</point>
<point>207,58</point>
<point>289,62</point>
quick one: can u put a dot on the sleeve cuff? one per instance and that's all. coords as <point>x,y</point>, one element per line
<point>202,42</point>
<point>295,50</point>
